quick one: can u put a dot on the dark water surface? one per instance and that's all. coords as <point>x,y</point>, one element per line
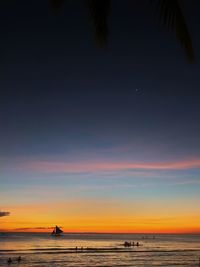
<point>41,249</point>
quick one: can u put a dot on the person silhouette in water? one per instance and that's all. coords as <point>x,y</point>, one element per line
<point>9,261</point>
<point>19,259</point>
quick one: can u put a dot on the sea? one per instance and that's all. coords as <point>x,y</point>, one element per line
<point>105,250</point>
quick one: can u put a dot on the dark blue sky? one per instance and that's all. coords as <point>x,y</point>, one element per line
<point>59,91</point>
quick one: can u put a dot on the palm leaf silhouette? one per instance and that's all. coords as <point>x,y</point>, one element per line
<point>99,11</point>
<point>172,17</point>
<point>170,13</point>
<point>56,5</point>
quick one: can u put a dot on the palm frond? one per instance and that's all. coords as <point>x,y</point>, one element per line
<point>171,15</point>
<point>56,5</point>
<point>99,11</point>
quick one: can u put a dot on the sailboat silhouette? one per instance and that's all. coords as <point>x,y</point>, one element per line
<point>56,231</point>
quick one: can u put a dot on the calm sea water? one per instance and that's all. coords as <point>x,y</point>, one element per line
<point>99,250</point>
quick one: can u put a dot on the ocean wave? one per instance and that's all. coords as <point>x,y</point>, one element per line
<point>92,250</point>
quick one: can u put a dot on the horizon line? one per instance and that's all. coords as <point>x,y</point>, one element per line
<point>96,232</point>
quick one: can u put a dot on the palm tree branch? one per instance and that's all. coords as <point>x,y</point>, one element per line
<point>99,11</point>
<point>172,17</point>
<point>56,5</point>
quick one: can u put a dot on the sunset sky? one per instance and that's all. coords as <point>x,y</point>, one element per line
<point>97,140</point>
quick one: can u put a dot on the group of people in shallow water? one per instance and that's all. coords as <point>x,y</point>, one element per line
<point>11,261</point>
<point>131,244</point>
<point>126,244</point>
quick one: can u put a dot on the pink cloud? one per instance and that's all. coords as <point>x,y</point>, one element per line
<point>99,166</point>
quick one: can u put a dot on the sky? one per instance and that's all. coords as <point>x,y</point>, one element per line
<point>97,139</point>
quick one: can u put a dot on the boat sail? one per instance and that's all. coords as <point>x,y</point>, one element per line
<point>56,231</point>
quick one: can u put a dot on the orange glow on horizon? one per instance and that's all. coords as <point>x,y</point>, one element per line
<point>103,216</point>
<point>141,225</point>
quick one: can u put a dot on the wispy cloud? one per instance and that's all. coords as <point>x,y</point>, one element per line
<point>99,166</point>
<point>4,213</point>
<point>33,228</point>
<point>185,182</point>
